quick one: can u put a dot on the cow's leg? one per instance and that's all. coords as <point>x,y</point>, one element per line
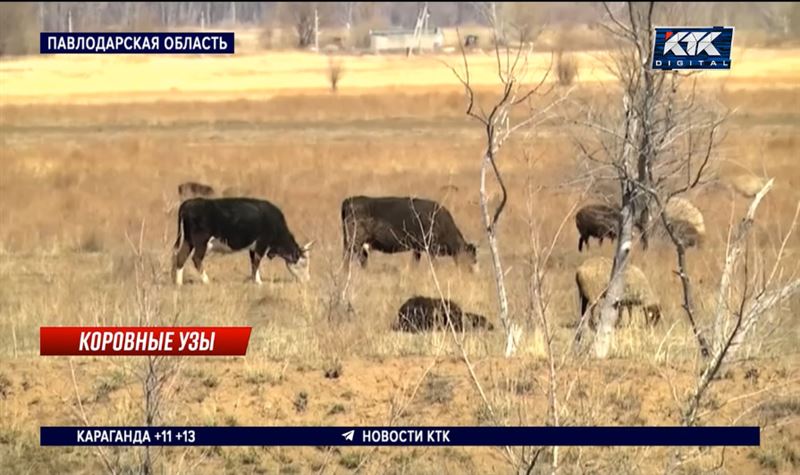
<point>180,260</point>
<point>363,255</point>
<point>255,261</point>
<point>197,258</point>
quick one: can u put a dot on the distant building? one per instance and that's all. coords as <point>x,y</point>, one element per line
<point>401,40</point>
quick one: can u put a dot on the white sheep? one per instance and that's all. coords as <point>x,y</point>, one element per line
<point>747,185</point>
<point>686,221</point>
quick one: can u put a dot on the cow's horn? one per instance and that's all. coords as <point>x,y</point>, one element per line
<point>308,245</point>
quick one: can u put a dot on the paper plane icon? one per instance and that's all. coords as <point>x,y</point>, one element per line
<point>349,435</point>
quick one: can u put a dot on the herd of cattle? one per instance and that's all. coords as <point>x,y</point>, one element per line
<point>391,225</point>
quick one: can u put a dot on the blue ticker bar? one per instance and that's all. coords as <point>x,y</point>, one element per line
<point>402,436</point>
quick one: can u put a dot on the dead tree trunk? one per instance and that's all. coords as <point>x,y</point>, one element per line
<point>498,127</point>
<point>609,313</point>
<point>499,277</point>
<point>609,309</point>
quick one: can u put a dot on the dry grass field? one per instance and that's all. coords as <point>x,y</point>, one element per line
<point>93,149</point>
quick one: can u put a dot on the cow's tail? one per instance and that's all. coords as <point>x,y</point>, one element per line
<point>179,239</point>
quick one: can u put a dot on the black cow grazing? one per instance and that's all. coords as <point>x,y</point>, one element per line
<point>191,189</point>
<point>596,220</point>
<point>420,314</point>
<point>232,225</point>
<point>393,224</point>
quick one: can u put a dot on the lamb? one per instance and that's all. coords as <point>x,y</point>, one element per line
<point>596,220</point>
<point>686,221</point>
<point>592,279</point>
<point>419,314</point>
<point>747,185</point>
<point>192,189</point>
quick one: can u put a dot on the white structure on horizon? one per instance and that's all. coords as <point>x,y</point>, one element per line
<point>402,40</point>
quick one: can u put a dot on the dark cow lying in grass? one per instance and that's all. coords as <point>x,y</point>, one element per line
<point>419,314</point>
<point>232,225</point>
<point>392,225</point>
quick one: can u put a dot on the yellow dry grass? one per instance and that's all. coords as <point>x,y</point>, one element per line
<point>110,78</point>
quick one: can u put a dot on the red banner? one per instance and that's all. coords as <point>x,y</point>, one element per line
<point>144,341</point>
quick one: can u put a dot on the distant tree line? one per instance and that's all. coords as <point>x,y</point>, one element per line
<point>20,23</point>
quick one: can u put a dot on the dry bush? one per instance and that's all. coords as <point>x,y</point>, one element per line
<point>335,71</point>
<point>566,63</point>
<point>566,68</point>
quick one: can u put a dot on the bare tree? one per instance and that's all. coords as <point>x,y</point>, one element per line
<point>540,295</point>
<point>740,310</point>
<point>302,16</point>
<point>498,126</point>
<point>660,144</point>
<point>517,20</point>
<point>737,313</point>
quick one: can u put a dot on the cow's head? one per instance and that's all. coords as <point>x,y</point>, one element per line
<point>299,266</point>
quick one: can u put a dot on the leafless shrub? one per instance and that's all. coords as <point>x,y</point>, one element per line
<point>335,71</point>
<point>566,68</point>
<point>659,145</point>
<point>158,373</point>
<point>540,295</point>
<point>512,69</point>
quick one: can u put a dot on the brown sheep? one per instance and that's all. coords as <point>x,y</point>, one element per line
<point>592,279</point>
<point>194,190</point>
<point>596,220</point>
<point>419,314</point>
<point>235,191</point>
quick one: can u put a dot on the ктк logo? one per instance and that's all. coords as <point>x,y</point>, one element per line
<point>692,48</point>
